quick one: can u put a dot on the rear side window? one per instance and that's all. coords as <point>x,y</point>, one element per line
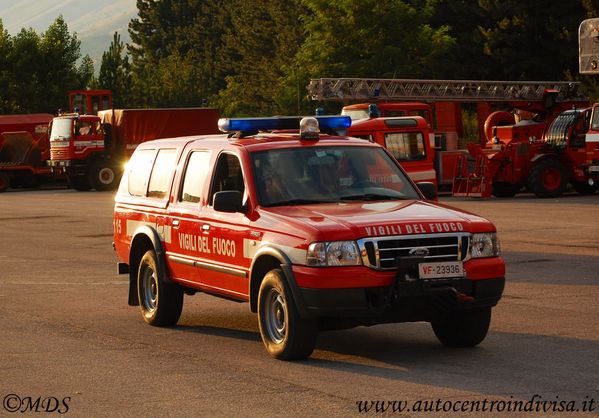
<point>138,171</point>
<point>196,174</point>
<point>161,173</point>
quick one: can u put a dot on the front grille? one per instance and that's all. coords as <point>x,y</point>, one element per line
<point>59,153</point>
<point>382,253</point>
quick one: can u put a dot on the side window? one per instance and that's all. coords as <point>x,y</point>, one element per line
<point>394,113</point>
<point>162,172</point>
<point>406,146</point>
<point>196,174</point>
<point>227,175</point>
<point>138,171</point>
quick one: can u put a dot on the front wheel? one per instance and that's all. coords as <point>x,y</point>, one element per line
<point>465,328</point>
<point>286,336</point>
<point>160,301</point>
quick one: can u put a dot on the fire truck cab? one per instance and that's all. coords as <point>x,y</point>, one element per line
<point>315,231</point>
<point>410,139</point>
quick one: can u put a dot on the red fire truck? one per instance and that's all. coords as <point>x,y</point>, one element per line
<point>411,140</point>
<point>23,149</point>
<point>544,101</point>
<point>314,231</point>
<point>92,149</point>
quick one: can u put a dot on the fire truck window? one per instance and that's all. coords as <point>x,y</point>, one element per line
<point>227,175</point>
<point>406,146</point>
<point>595,120</point>
<point>196,174</point>
<point>394,113</point>
<point>366,137</point>
<point>161,173</point>
<point>138,171</point>
<point>84,128</point>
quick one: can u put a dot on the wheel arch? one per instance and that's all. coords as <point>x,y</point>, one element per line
<point>144,239</point>
<point>266,259</point>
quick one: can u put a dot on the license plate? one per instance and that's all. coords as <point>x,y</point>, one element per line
<point>441,270</point>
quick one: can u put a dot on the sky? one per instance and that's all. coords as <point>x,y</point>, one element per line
<point>94,21</point>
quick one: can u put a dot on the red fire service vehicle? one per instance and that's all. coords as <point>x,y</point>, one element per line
<point>411,140</point>
<point>92,149</point>
<point>316,231</point>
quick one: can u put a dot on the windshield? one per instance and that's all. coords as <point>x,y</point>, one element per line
<point>61,129</point>
<point>356,114</point>
<point>295,176</point>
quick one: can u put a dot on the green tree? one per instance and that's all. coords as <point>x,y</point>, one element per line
<point>59,73</point>
<point>260,44</point>
<point>6,103</point>
<point>115,72</point>
<point>535,40</point>
<point>174,52</point>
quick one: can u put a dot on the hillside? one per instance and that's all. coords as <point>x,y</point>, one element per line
<point>94,21</point>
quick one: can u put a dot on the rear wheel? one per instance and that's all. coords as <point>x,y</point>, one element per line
<point>161,302</point>
<point>547,178</point>
<point>505,189</point>
<point>79,183</point>
<point>286,336</point>
<point>465,328</point>
<point>4,182</point>
<point>103,175</point>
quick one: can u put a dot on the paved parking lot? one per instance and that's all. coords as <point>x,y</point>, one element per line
<point>68,338</point>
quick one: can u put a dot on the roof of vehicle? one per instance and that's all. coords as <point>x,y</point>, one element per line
<point>390,106</point>
<point>386,123</point>
<point>260,141</point>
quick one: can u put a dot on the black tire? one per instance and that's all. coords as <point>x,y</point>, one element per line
<point>582,187</point>
<point>103,175</point>
<point>465,328</point>
<point>286,336</point>
<point>547,178</point>
<point>160,302</point>
<point>79,183</point>
<point>4,182</point>
<point>505,189</point>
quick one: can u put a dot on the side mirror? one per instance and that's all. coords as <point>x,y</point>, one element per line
<point>228,201</point>
<point>428,189</point>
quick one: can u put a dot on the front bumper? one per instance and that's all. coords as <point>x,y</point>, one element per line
<point>404,301</point>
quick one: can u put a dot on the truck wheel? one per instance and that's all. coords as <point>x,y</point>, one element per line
<point>103,175</point>
<point>583,187</point>
<point>4,182</point>
<point>286,336</point>
<point>505,189</point>
<point>160,301</point>
<point>465,328</point>
<point>79,183</point>
<point>547,178</point>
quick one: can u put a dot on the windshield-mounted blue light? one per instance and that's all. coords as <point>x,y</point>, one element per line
<point>282,122</point>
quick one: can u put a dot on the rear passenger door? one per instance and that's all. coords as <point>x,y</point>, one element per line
<point>189,245</point>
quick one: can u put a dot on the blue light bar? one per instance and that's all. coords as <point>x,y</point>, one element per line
<point>282,122</point>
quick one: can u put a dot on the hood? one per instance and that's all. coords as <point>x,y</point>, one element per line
<point>357,220</point>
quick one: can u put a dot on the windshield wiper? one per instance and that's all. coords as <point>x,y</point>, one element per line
<point>293,202</point>
<point>371,196</point>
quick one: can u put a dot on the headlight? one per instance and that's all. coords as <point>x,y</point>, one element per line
<point>484,245</point>
<point>335,253</point>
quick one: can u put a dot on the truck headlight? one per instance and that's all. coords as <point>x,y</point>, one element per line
<point>484,245</point>
<point>332,254</point>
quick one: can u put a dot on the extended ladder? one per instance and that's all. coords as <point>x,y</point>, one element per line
<point>342,89</point>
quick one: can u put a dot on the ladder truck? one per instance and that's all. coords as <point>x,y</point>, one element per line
<point>506,153</point>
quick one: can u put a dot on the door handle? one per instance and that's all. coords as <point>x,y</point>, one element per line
<point>205,228</point>
<point>176,222</point>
